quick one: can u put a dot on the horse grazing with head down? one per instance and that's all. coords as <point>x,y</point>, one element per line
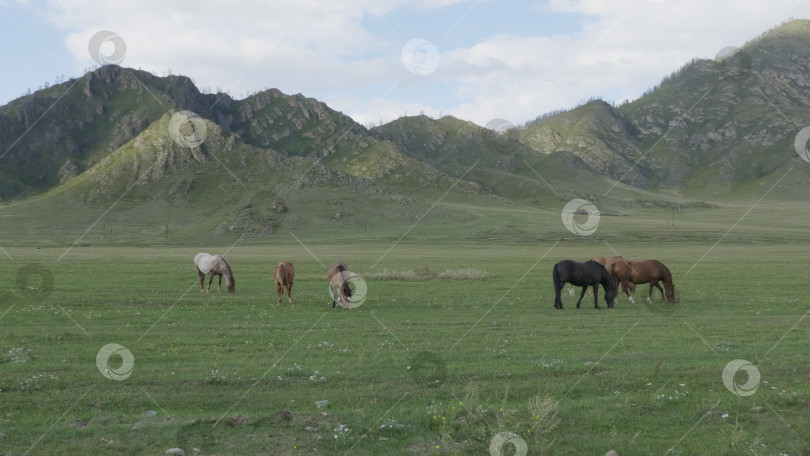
<point>338,277</point>
<point>283,275</point>
<point>587,274</point>
<point>631,273</point>
<point>216,266</point>
<point>607,263</point>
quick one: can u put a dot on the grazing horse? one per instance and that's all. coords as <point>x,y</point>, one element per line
<point>630,273</point>
<point>608,264</point>
<point>216,266</point>
<point>587,274</point>
<point>338,277</point>
<point>283,275</point>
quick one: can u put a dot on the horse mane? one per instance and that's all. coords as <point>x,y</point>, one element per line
<point>227,270</point>
<point>608,278</point>
<point>229,280</point>
<point>667,273</point>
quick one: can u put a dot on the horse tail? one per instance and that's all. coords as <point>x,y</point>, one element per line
<point>555,275</point>
<point>284,273</point>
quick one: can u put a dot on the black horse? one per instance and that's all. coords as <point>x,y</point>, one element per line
<point>589,273</point>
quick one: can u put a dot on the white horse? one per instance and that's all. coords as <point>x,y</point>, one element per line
<point>216,266</point>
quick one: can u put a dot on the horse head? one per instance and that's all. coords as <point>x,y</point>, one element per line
<point>610,295</point>
<point>670,292</point>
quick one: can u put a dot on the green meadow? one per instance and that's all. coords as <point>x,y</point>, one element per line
<point>456,348</point>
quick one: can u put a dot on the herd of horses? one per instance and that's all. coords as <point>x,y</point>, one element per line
<point>338,277</point>
<point>608,273</point>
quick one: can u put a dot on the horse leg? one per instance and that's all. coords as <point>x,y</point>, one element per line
<point>571,289</point>
<point>650,292</point>
<point>557,300</point>
<point>220,283</point>
<point>202,280</point>
<point>658,285</point>
<point>280,293</point>
<point>335,295</point>
<point>625,289</point>
<point>289,294</point>
<point>209,283</point>
<point>595,296</point>
<point>582,295</point>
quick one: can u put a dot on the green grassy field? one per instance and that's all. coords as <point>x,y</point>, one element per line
<point>425,365</point>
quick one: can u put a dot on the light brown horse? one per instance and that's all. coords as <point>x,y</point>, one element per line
<point>650,271</point>
<point>283,275</point>
<point>216,266</point>
<point>338,277</point>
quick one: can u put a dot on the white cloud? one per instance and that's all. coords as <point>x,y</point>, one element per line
<point>327,50</point>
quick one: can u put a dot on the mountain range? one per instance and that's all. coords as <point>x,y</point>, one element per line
<point>126,148</point>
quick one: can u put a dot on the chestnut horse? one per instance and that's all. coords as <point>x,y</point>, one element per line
<point>630,273</point>
<point>216,266</point>
<point>587,274</point>
<point>338,277</point>
<point>283,275</point>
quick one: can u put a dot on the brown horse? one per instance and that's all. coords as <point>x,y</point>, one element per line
<point>283,275</point>
<point>651,271</point>
<point>216,266</point>
<point>338,277</point>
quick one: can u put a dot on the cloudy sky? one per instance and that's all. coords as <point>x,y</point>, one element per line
<point>377,60</point>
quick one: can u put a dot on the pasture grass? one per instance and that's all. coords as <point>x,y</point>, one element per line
<point>426,365</point>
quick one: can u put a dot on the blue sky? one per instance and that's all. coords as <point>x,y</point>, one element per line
<point>478,60</point>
